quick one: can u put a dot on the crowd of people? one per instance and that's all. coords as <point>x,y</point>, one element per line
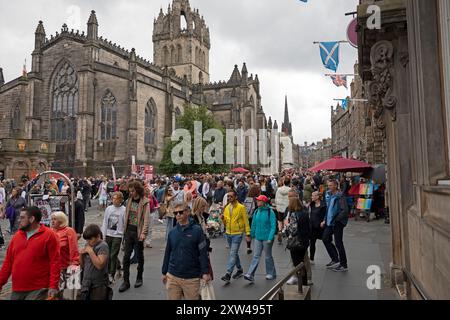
<point>295,209</point>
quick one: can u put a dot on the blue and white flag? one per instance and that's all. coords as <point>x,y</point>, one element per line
<point>344,104</point>
<point>329,52</point>
<point>304,0</point>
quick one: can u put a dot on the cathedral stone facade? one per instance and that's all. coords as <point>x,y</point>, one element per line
<point>88,103</point>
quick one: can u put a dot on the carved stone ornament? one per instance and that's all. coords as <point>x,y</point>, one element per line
<point>380,88</point>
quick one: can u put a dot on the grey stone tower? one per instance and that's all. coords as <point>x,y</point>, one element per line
<point>181,41</point>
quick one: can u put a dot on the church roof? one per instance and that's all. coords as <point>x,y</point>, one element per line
<point>235,76</point>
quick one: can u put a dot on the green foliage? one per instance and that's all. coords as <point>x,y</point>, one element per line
<point>186,121</point>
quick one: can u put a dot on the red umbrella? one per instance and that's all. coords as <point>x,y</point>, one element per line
<point>240,170</point>
<point>342,165</point>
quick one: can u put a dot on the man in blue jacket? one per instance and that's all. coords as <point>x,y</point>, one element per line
<point>186,258</point>
<point>335,221</point>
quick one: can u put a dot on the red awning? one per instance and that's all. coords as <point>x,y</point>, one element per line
<point>340,164</point>
<point>240,170</point>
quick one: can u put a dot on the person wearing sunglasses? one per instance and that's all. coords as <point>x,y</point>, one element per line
<point>185,262</point>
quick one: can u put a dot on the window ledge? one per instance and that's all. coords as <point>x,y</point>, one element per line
<point>444,183</point>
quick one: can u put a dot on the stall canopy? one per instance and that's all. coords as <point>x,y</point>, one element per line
<point>340,164</point>
<point>240,170</point>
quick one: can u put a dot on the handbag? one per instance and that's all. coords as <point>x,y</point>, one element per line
<point>70,283</point>
<point>207,291</point>
<point>294,243</point>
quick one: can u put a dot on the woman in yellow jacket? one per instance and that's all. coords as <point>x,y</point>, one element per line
<point>236,223</point>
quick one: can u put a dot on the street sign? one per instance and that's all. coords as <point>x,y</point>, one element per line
<point>352,35</point>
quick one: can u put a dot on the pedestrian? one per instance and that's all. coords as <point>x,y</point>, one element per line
<point>154,206</point>
<point>282,202</point>
<point>94,263</point>
<point>307,191</point>
<point>135,232</point>
<point>102,195</point>
<point>236,223</point>
<point>241,191</point>
<point>13,207</point>
<point>68,244</point>
<point>298,231</point>
<point>79,215</point>
<point>317,212</point>
<point>250,206</point>
<point>174,197</point>
<point>185,262</point>
<point>112,229</point>
<point>33,259</point>
<point>263,229</point>
<point>334,223</point>
<point>219,193</point>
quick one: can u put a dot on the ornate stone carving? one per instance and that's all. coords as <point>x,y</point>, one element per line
<point>380,88</point>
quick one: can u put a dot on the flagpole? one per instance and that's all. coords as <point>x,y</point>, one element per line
<point>341,41</point>
<point>340,74</point>
<point>355,100</point>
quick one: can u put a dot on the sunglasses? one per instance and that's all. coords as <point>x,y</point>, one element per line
<point>178,213</point>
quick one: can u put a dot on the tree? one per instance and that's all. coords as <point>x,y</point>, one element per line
<point>186,121</point>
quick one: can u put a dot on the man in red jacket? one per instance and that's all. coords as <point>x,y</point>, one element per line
<point>32,259</point>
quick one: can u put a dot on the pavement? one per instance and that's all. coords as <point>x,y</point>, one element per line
<point>366,244</point>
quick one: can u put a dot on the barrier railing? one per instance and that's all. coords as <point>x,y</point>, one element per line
<point>277,292</point>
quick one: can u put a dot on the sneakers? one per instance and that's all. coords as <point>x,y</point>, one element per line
<point>340,268</point>
<point>138,283</point>
<point>270,277</point>
<point>249,277</point>
<point>332,264</point>
<point>238,274</point>
<point>292,281</point>
<point>226,278</point>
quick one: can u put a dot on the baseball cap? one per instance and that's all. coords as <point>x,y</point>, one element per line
<point>262,198</point>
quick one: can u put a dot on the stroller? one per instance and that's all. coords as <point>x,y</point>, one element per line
<point>214,224</point>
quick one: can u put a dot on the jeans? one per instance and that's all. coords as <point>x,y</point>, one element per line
<point>259,246</point>
<point>153,217</point>
<point>234,242</point>
<point>131,240</point>
<point>336,251</point>
<point>114,248</point>
<point>170,224</point>
<point>40,294</point>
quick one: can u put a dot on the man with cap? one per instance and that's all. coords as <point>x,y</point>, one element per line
<point>185,262</point>
<point>264,224</point>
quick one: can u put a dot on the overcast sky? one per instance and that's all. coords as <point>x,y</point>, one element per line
<point>274,38</point>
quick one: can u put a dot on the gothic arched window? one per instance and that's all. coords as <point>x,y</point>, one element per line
<point>173,55</point>
<point>180,54</point>
<point>150,122</point>
<point>177,116</point>
<point>15,118</point>
<point>64,104</point>
<point>108,124</point>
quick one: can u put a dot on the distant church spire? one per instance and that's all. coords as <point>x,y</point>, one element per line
<point>286,127</point>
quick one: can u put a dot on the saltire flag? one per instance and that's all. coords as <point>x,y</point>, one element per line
<point>329,52</point>
<point>344,104</point>
<point>304,0</point>
<point>339,80</point>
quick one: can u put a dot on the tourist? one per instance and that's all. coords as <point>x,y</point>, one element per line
<point>135,232</point>
<point>13,207</point>
<point>263,229</point>
<point>236,223</point>
<point>94,263</point>
<point>250,205</point>
<point>297,230</point>
<point>281,202</point>
<point>334,223</point>
<point>68,244</point>
<point>112,229</point>
<point>317,212</point>
<point>185,263</point>
<point>33,259</point>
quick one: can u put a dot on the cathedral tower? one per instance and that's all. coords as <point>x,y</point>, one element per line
<point>181,42</point>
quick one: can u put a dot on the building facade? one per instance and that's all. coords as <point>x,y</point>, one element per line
<point>88,103</point>
<point>405,68</point>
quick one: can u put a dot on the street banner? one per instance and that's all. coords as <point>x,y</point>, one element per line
<point>364,204</point>
<point>352,34</point>
<point>148,171</point>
